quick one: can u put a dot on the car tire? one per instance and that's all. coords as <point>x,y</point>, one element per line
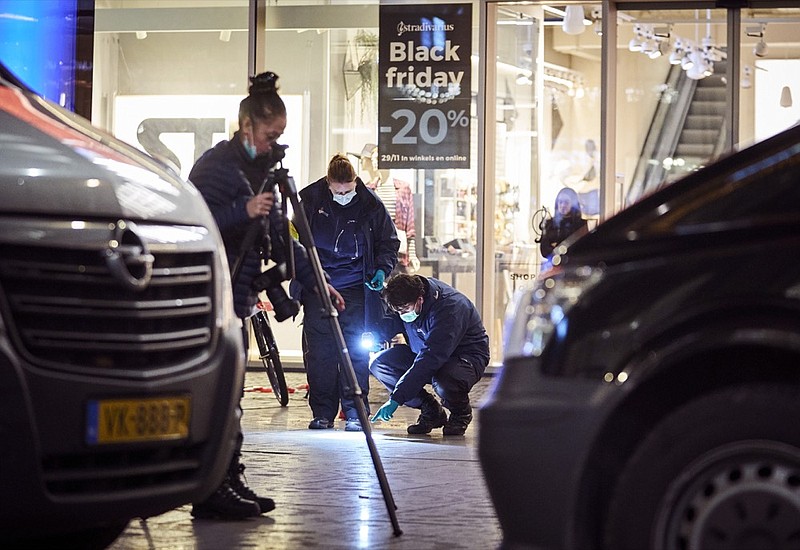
<point>723,471</point>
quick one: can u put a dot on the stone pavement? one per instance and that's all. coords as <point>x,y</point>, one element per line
<point>327,491</point>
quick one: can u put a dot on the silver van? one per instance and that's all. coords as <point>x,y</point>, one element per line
<point>120,357</point>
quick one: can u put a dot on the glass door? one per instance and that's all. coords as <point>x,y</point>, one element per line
<point>609,111</point>
<point>542,144</point>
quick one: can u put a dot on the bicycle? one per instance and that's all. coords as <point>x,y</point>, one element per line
<point>269,355</point>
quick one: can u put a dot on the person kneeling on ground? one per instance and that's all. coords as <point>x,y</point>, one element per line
<point>447,347</point>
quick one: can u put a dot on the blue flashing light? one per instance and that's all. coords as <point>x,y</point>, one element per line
<point>37,43</point>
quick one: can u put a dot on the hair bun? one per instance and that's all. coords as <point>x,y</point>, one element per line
<point>264,83</point>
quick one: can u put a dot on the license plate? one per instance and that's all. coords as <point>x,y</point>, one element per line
<point>133,420</point>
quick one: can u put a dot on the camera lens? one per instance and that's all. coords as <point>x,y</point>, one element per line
<point>270,281</point>
<point>283,306</point>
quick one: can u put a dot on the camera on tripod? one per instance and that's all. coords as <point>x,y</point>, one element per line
<point>276,154</point>
<point>270,281</point>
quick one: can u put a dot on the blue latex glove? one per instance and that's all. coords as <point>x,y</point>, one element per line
<point>386,411</point>
<point>377,281</point>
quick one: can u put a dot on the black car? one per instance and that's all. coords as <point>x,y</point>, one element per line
<point>120,356</point>
<point>650,391</point>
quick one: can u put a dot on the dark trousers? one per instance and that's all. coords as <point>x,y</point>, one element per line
<point>327,383</point>
<point>237,450</point>
<point>452,382</point>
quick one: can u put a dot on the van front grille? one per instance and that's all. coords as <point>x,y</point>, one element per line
<point>69,310</point>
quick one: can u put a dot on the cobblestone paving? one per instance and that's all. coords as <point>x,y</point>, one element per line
<point>327,491</point>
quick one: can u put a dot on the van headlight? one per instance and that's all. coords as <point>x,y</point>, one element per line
<point>538,312</point>
<point>226,316</point>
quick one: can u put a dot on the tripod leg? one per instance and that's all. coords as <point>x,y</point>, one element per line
<point>289,190</point>
<point>363,417</point>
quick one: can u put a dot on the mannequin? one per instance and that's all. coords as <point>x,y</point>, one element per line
<point>399,201</point>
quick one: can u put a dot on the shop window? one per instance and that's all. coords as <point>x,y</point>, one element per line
<point>769,78</point>
<point>547,126</point>
<point>329,56</point>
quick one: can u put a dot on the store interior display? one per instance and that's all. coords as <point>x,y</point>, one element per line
<point>397,196</point>
<point>545,126</point>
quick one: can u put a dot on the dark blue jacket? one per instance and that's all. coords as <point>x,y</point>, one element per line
<point>378,235</point>
<point>227,178</point>
<point>449,326</point>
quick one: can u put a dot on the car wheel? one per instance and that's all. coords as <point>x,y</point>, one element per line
<point>721,472</point>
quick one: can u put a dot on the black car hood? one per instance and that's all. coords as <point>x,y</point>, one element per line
<point>683,214</point>
<point>53,162</point>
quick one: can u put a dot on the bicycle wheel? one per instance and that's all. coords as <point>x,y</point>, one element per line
<point>270,358</point>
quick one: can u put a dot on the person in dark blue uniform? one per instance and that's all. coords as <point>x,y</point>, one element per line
<point>447,347</point>
<point>357,245</point>
<point>230,177</point>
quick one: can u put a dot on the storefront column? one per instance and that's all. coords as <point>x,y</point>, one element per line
<point>486,106</point>
<point>732,93</point>
<point>256,36</point>
<point>608,115</point>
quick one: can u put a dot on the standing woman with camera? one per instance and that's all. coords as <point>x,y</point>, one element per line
<point>357,245</point>
<point>231,177</point>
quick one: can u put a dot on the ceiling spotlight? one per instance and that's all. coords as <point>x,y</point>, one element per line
<point>658,51</point>
<point>576,88</point>
<point>573,20</point>
<point>635,45</point>
<point>688,59</point>
<point>649,45</point>
<point>225,36</point>
<point>715,54</point>
<point>695,73</point>
<point>708,67</point>
<point>141,35</point>
<point>747,73</point>
<point>677,52</point>
<point>597,17</point>
<point>760,49</point>
<point>700,66</point>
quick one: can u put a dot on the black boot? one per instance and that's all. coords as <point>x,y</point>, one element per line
<point>237,483</point>
<point>432,416</point>
<point>224,503</point>
<point>458,422</point>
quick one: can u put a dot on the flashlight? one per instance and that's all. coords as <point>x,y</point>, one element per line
<point>368,341</point>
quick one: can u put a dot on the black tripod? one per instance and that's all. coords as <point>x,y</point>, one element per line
<point>288,189</point>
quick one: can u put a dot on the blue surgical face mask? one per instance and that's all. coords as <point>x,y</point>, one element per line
<point>346,198</point>
<point>409,317</point>
<point>249,148</point>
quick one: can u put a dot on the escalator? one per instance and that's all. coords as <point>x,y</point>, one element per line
<point>687,131</point>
